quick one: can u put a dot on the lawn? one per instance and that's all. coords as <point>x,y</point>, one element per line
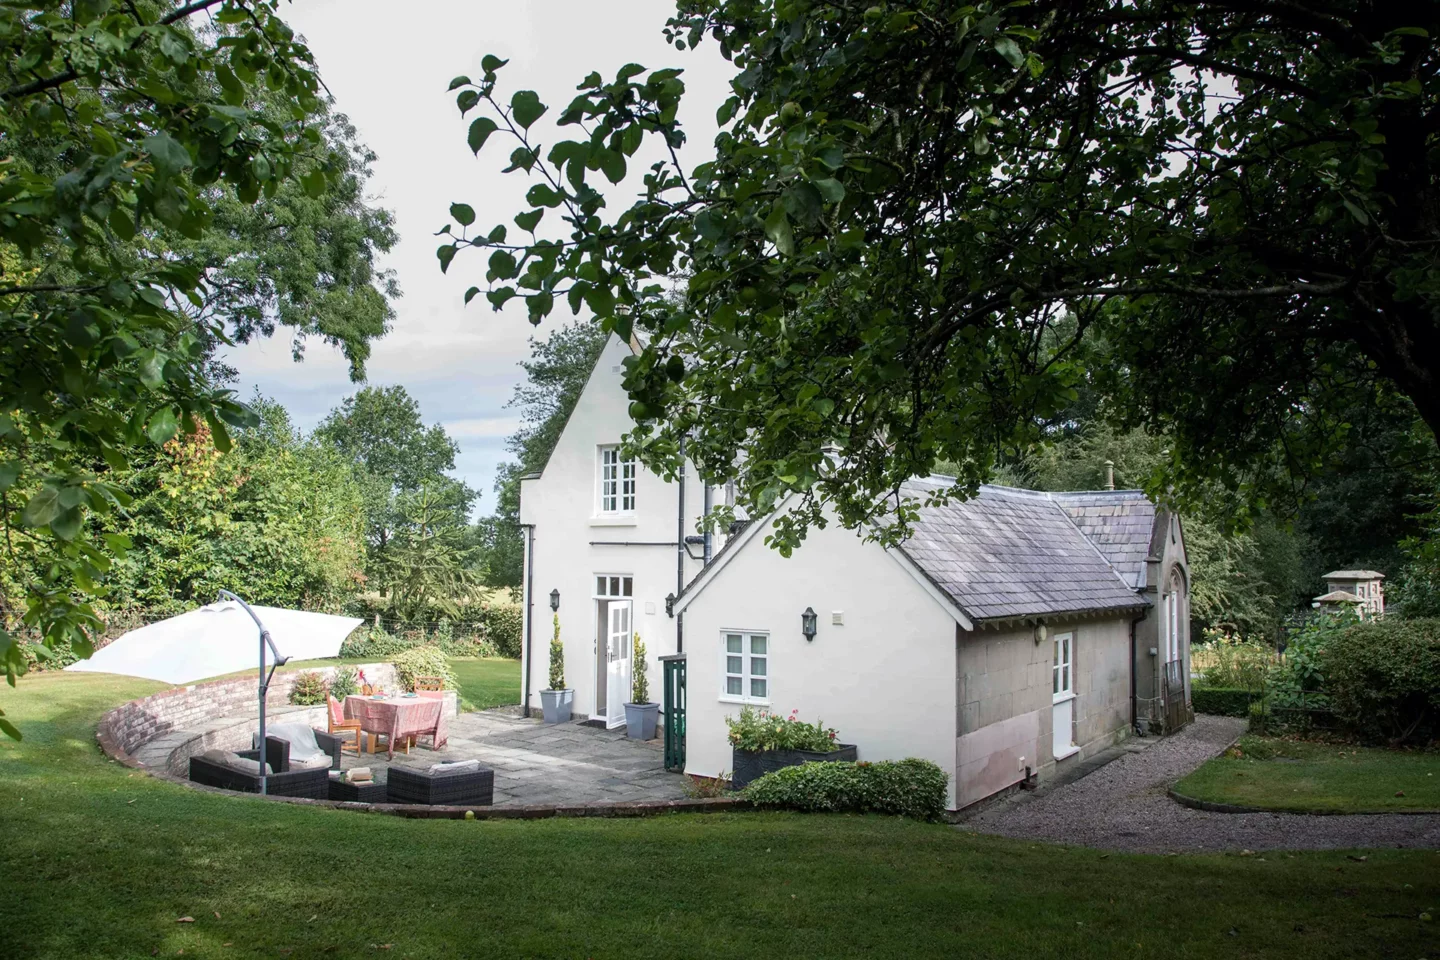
<point>1300,776</point>
<point>486,683</point>
<point>102,861</point>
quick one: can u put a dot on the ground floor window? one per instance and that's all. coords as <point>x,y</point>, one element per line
<point>745,666</point>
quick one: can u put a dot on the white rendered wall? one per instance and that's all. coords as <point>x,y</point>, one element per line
<point>563,504</point>
<point>884,680</point>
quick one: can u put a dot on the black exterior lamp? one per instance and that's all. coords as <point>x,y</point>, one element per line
<point>807,623</point>
<point>670,604</point>
<point>555,600</point>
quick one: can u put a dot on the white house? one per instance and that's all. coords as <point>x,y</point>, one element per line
<point>605,537</point>
<point>999,641</point>
<point>1011,633</point>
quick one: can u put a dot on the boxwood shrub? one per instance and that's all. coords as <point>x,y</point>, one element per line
<point>1223,701</point>
<point>910,787</point>
<point>1383,678</point>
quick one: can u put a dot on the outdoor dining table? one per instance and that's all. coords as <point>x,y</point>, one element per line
<point>398,718</point>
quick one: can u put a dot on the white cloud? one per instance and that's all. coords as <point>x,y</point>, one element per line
<point>388,67</point>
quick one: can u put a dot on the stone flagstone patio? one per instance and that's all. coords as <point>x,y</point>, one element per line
<point>564,765</point>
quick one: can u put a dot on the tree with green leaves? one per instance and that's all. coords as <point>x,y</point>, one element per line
<point>906,200</point>
<point>125,126</point>
<point>414,512</point>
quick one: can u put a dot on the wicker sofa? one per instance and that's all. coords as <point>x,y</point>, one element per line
<point>473,787</point>
<point>281,782</point>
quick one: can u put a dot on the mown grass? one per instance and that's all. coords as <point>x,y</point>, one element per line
<point>1293,775</point>
<point>486,683</point>
<point>101,861</point>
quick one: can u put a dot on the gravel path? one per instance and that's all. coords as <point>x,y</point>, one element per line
<point>1123,806</point>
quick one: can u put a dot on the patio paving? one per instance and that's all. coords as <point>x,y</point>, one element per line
<point>563,764</point>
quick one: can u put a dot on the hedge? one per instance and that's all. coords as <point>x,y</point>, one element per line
<point>1223,701</point>
<point>1383,678</point>
<point>910,787</point>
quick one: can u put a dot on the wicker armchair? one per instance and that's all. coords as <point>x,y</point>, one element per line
<point>283,782</point>
<point>429,683</point>
<point>463,788</point>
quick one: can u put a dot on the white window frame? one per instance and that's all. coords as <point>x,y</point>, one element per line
<point>1063,669</point>
<point>614,586</point>
<point>747,675</point>
<point>615,481</point>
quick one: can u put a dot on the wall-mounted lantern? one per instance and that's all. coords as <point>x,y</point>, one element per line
<point>670,604</point>
<point>807,623</point>
<point>555,600</point>
<point>1041,632</point>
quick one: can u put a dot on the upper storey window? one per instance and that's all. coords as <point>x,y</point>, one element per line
<point>617,481</point>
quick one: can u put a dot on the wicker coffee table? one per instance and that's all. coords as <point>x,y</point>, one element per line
<point>357,792</point>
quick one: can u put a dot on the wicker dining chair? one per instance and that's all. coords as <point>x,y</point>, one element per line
<point>339,726</point>
<point>429,683</point>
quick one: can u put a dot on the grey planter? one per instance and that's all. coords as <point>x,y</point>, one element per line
<point>754,764</point>
<point>557,704</point>
<point>640,719</point>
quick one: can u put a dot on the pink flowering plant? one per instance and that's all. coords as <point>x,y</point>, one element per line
<point>759,730</point>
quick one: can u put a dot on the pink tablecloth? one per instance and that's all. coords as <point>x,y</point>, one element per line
<point>399,717</point>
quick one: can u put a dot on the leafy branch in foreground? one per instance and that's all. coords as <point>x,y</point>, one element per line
<point>926,225</point>
<point>122,125</point>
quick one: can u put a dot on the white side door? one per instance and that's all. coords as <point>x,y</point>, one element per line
<point>1063,688</point>
<point>617,671</point>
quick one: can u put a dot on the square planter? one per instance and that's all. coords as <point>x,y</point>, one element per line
<point>640,720</point>
<point>556,705</point>
<point>754,764</point>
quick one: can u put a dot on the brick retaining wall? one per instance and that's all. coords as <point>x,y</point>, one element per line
<point>190,707</point>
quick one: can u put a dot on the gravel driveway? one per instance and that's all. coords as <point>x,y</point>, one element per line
<point>1123,806</point>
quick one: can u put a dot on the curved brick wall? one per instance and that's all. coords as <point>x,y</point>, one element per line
<point>130,726</point>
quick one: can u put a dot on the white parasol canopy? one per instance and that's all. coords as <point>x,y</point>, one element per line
<point>217,639</point>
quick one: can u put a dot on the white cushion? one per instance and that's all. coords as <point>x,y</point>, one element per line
<point>303,746</point>
<point>459,766</point>
<point>235,762</point>
<point>318,762</point>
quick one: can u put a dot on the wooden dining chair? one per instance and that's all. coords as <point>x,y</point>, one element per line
<point>339,726</point>
<point>429,683</point>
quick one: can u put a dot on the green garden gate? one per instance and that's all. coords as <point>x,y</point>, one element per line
<point>674,709</point>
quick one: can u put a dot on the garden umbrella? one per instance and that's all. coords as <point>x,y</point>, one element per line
<point>216,639</point>
<point>221,638</point>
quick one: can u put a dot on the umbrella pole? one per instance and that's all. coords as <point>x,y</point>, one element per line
<point>264,680</point>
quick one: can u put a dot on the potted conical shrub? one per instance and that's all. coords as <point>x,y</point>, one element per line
<point>640,716</point>
<point>558,700</point>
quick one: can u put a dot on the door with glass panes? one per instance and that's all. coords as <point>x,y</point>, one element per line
<point>613,632</point>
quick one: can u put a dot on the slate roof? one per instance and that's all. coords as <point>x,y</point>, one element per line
<point>1009,553</point>
<point>1119,523</point>
<point>1354,575</point>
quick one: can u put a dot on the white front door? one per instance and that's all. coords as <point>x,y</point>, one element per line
<point>617,666</point>
<point>1063,688</point>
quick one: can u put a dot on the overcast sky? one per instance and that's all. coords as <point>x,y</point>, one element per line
<point>388,65</point>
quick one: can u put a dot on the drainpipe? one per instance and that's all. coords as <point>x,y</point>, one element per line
<point>709,537</point>
<point>529,609</point>
<point>680,554</point>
